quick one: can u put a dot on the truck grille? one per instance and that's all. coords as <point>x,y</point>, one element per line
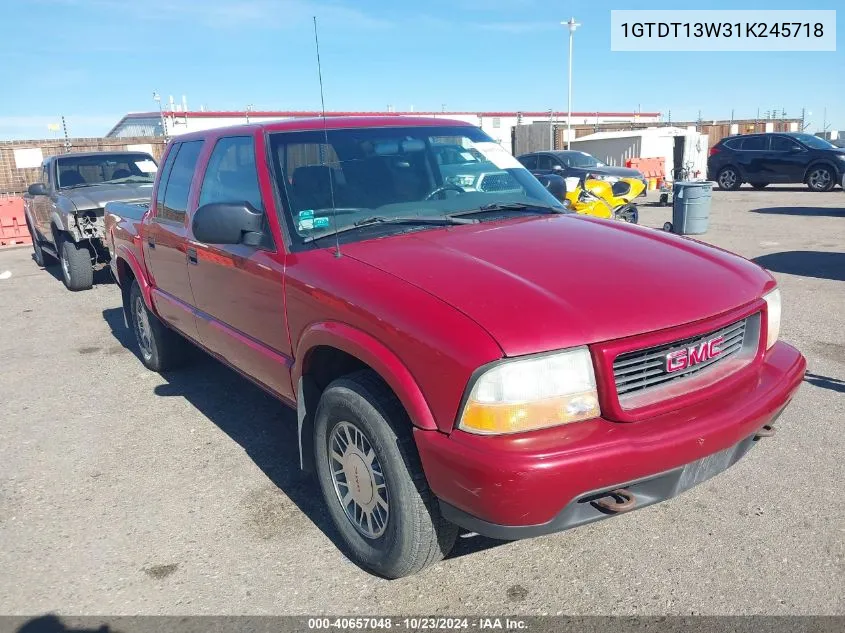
<point>644,369</point>
<point>498,181</point>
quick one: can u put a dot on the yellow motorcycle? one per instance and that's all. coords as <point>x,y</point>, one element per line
<point>610,199</point>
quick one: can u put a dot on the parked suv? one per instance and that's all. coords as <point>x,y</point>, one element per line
<point>762,159</point>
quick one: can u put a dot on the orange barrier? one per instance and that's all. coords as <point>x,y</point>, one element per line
<point>650,167</point>
<point>13,230</point>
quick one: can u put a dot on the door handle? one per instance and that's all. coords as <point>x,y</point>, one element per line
<point>192,255</point>
<point>151,242</point>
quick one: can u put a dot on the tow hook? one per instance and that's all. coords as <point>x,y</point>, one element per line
<point>617,501</point>
<point>767,430</point>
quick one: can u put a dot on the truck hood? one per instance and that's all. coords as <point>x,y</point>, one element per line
<point>549,282</point>
<point>97,197</point>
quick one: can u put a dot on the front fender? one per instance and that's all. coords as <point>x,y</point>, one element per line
<point>369,350</point>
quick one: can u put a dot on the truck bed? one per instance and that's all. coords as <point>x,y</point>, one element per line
<point>122,225</point>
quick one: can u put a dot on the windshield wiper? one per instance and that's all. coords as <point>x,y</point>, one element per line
<point>439,220</point>
<point>510,206</point>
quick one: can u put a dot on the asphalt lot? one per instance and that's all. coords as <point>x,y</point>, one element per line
<point>125,492</point>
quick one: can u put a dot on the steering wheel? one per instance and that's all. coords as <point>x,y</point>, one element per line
<point>442,188</point>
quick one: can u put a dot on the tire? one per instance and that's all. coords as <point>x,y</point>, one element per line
<point>629,214</point>
<point>404,531</point>
<point>159,347</point>
<point>77,272</point>
<point>44,260</point>
<point>729,179</point>
<point>821,178</point>
<point>759,185</point>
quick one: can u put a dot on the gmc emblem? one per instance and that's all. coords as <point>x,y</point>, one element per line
<point>687,357</point>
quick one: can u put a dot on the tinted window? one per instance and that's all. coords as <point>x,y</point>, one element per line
<point>814,142</point>
<point>733,143</point>
<point>179,182</point>
<point>231,175</point>
<point>783,144</point>
<point>165,175</point>
<point>754,144</point>
<point>105,168</point>
<point>544,162</point>
<point>530,162</point>
<point>332,180</point>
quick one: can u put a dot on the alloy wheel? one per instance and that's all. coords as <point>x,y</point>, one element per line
<point>727,179</point>
<point>819,179</point>
<point>358,480</point>
<point>142,321</point>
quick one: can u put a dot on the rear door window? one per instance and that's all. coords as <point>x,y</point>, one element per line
<point>530,162</point>
<point>179,182</point>
<point>754,144</point>
<point>544,162</point>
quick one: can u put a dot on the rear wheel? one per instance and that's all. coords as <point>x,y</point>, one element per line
<point>160,347</point>
<point>759,185</point>
<point>820,178</point>
<point>77,272</point>
<point>372,479</point>
<point>729,179</point>
<point>629,214</point>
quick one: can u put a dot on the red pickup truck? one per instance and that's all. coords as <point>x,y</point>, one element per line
<point>460,350</point>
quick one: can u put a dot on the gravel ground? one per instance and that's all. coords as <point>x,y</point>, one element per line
<point>126,492</point>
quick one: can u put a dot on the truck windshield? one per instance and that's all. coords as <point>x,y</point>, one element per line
<point>396,172</point>
<point>80,171</point>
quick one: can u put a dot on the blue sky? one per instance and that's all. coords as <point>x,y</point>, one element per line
<point>94,60</point>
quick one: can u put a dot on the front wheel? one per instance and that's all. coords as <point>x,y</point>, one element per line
<point>77,271</point>
<point>629,214</point>
<point>729,179</point>
<point>372,479</point>
<point>820,179</point>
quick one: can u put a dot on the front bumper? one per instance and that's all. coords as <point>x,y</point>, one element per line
<point>516,486</point>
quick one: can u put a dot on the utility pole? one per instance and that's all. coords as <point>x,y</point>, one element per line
<point>572,24</point>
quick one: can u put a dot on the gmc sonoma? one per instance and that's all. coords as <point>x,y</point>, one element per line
<point>460,350</point>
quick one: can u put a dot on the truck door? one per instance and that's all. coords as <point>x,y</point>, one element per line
<point>239,289</point>
<point>163,239</point>
<point>42,206</point>
<point>786,160</point>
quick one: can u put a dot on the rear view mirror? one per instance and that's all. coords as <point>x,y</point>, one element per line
<point>555,184</point>
<point>228,223</point>
<point>38,189</point>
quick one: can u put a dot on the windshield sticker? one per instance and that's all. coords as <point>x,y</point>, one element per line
<point>498,155</point>
<point>468,157</point>
<point>146,166</point>
<point>321,223</point>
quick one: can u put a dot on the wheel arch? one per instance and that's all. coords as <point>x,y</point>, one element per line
<point>127,269</point>
<point>327,351</point>
<point>822,162</point>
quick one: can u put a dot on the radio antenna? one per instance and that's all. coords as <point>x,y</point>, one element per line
<point>326,139</point>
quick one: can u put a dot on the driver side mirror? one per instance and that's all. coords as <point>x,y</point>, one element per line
<point>38,189</point>
<point>228,223</point>
<point>557,167</point>
<point>795,149</point>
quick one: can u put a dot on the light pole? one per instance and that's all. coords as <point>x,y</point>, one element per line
<point>572,24</point>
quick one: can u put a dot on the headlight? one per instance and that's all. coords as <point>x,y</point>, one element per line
<point>773,322</point>
<point>461,181</point>
<point>533,393</point>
